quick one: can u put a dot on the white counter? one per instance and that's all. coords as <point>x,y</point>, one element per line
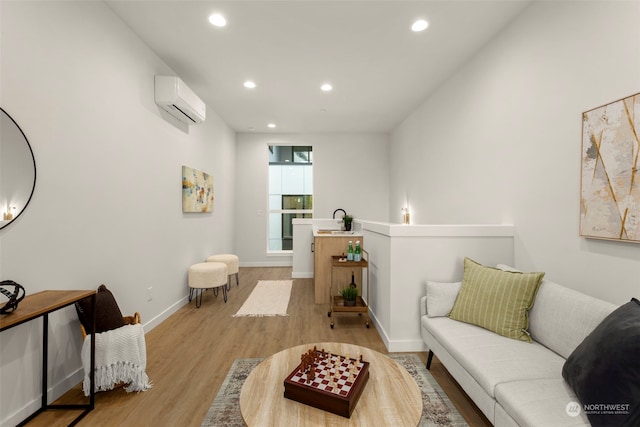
<point>320,232</point>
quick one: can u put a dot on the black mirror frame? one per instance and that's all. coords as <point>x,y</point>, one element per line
<point>35,174</point>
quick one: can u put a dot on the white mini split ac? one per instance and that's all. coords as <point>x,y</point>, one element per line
<point>178,100</point>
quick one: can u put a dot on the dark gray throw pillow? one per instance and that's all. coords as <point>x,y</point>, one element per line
<point>604,370</point>
<point>108,314</point>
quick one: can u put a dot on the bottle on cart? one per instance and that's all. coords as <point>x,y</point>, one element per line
<point>350,251</point>
<point>357,255</point>
<point>353,281</point>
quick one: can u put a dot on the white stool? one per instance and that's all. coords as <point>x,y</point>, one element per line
<point>207,275</point>
<point>232,262</point>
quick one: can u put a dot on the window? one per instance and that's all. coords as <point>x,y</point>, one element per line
<point>290,192</point>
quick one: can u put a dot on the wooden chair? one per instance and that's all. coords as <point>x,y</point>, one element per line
<point>128,320</point>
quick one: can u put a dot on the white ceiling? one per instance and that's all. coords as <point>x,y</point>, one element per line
<point>379,68</point>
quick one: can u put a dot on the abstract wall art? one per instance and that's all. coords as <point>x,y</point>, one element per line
<point>197,190</point>
<point>610,181</point>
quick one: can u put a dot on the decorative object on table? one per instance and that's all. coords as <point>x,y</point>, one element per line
<point>357,253</point>
<point>197,190</point>
<point>437,409</point>
<point>8,215</point>
<point>15,292</point>
<point>610,195</point>
<point>121,350</point>
<point>326,381</point>
<point>348,220</point>
<point>406,216</point>
<point>268,298</point>
<point>349,295</point>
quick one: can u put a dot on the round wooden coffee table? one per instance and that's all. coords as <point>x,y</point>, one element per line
<point>390,398</point>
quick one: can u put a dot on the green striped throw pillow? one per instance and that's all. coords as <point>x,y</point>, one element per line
<point>496,300</point>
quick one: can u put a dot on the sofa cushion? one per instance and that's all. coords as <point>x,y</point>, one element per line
<point>441,297</point>
<point>491,358</point>
<point>540,402</point>
<point>604,369</point>
<point>496,300</point>
<point>561,318</point>
<point>108,314</point>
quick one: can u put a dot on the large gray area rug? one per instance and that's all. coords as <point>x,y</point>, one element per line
<point>437,409</point>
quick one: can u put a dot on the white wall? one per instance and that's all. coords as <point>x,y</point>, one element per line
<point>107,205</point>
<point>500,141</point>
<point>399,256</point>
<point>350,171</point>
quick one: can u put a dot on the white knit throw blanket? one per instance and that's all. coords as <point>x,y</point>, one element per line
<point>121,357</point>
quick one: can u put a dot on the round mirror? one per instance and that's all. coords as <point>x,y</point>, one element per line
<point>17,170</point>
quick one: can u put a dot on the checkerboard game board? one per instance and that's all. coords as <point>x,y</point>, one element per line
<point>328,381</point>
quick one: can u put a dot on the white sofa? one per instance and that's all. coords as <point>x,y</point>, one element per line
<point>516,383</point>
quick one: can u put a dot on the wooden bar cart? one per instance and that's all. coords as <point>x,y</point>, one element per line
<point>335,299</point>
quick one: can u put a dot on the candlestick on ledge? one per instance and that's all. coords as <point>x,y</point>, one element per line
<point>406,216</point>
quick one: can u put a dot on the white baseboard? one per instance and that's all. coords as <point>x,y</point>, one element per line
<point>379,328</point>
<point>266,264</point>
<point>148,326</point>
<point>397,346</point>
<point>403,346</point>
<point>302,275</point>
<point>53,393</point>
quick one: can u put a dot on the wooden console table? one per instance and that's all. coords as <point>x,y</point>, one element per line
<point>41,304</point>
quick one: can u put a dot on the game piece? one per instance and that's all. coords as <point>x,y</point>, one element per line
<point>327,381</point>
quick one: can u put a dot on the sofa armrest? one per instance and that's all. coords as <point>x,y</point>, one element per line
<point>423,306</point>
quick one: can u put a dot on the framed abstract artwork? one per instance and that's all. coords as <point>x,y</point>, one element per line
<point>610,180</point>
<point>197,190</point>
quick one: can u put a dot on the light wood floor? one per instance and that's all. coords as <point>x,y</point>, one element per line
<point>190,353</point>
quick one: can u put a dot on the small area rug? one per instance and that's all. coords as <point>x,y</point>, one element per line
<point>437,409</point>
<point>268,298</point>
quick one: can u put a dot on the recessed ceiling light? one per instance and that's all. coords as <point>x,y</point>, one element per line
<point>217,20</point>
<point>271,125</point>
<point>326,87</point>
<point>249,84</point>
<point>420,25</point>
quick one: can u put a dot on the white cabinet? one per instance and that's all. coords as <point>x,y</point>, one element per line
<point>302,248</point>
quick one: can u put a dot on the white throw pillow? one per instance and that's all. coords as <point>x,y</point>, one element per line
<point>505,267</point>
<point>441,297</point>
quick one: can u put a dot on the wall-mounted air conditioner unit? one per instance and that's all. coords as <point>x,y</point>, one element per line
<point>178,100</point>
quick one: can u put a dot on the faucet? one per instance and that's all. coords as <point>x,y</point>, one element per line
<point>343,213</point>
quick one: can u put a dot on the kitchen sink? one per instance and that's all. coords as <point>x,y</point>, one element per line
<point>338,232</point>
